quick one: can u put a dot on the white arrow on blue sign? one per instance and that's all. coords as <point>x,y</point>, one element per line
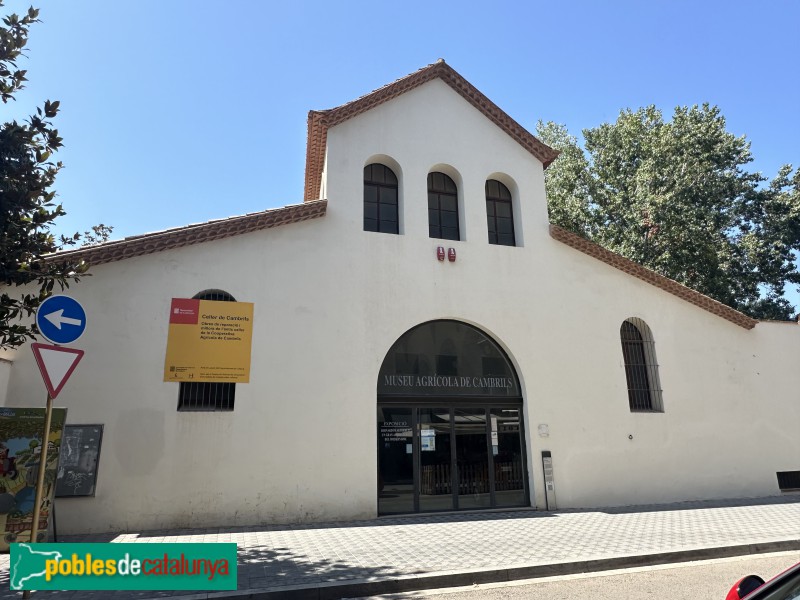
<point>61,319</point>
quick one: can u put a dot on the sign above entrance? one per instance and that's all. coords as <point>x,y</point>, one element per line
<point>447,359</point>
<point>209,341</point>
<point>446,385</point>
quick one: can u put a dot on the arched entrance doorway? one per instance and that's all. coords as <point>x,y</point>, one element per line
<point>450,427</point>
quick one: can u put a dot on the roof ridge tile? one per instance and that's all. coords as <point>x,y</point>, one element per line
<point>630,267</point>
<point>319,121</point>
<point>178,237</point>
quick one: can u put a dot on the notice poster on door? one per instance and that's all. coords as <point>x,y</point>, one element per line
<point>428,440</point>
<point>21,434</point>
<point>209,341</point>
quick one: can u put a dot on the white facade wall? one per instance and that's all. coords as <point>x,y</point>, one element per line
<point>331,299</point>
<point>5,375</point>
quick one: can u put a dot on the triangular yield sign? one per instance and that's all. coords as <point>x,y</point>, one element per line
<point>56,365</point>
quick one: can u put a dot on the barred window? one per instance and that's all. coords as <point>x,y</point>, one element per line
<point>499,214</point>
<point>380,199</point>
<point>442,207</point>
<point>207,396</point>
<point>641,368</point>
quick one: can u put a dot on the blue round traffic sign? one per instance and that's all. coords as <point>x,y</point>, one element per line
<point>61,319</point>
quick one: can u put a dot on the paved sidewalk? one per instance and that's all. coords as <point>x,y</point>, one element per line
<point>335,560</point>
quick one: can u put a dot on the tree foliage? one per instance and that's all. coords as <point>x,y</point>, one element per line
<point>675,196</point>
<point>27,201</point>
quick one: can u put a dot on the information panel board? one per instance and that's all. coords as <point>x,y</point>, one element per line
<point>77,467</point>
<point>21,432</point>
<point>209,341</point>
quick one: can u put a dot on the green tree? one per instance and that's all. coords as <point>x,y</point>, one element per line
<point>27,201</point>
<point>675,197</point>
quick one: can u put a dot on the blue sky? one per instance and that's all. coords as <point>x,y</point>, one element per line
<point>176,112</point>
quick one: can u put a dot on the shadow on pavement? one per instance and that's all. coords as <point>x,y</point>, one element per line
<point>258,568</point>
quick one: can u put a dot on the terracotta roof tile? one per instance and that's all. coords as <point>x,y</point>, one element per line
<point>148,243</point>
<point>320,121</point>
<point>668,285</point>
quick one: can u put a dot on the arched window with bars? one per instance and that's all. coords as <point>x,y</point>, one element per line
<point>641,367</point>
<point>207,396</point>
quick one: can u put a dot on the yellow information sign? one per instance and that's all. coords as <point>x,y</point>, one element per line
<point>209,341</point>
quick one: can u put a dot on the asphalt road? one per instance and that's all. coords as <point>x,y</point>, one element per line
<point>702,580</point>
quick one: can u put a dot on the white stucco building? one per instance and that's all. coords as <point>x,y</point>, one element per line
<point>385,380</point>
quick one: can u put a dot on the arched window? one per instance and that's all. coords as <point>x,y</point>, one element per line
<point>442,207</point>
<point>641,368</point>
<point>499,214</point>
<point>380,199</point>
<point>207,396</point>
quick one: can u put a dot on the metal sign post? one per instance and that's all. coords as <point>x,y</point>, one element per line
<point>61,320</point>
<point>37,505</point>
<point>42,467</point>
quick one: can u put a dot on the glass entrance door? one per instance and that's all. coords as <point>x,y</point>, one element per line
<point>472,458</point>
<point>435,459</point>
<point>508,452</point>
<point>395,461</point>
<point>450,435</point>
<point>449,458</point>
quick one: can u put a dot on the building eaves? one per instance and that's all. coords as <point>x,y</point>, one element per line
<point>179,237</point>
<point>320,121</point>
<point>665,283</point>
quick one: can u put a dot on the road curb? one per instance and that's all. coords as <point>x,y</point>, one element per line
<point>335,590</point>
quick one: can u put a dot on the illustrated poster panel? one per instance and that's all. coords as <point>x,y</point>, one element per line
<point>77,465</point>
<point>209,341</point>
<point>21,434</point>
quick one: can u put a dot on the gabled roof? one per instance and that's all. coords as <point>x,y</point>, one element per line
<point>665,283</point>
<point>148,243</point>
<point>319,121</point>
<point>312,208</point>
